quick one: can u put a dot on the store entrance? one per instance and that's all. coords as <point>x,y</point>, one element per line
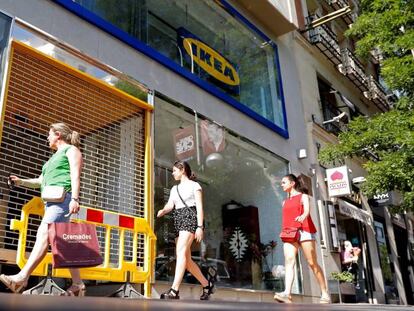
<point>353,231</point>
<point>402,247</point>
<point>242,200</point>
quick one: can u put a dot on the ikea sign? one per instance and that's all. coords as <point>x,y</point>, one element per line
<point>210,61</point>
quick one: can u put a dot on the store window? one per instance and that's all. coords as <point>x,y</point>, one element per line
<point>242,200</point>
<point>223,52</point>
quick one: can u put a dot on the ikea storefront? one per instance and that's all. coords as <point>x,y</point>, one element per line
<point>214,80</point>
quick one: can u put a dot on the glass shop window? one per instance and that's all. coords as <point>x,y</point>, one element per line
<point>210,42</point>
<point>242,200</point>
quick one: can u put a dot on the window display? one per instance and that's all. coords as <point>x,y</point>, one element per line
<point>242,200</point>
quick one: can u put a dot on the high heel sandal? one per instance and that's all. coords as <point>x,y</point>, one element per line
<point>170,294</point>
<point>76,289</point>
<point>14,286</point>
<point>210,288</point>
<point>207,291</point>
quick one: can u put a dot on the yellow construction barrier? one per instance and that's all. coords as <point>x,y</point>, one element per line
<point>109,225</point>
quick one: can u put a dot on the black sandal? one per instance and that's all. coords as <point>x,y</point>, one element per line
<point>207,291</point>
<point>170,294</point>
<point>210,288</point>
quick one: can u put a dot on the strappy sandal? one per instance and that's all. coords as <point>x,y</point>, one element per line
<point>14,286</point>
<point>76,289</point>
<point>207,291</point>
<point>170,294</point>
<point>210,288</point>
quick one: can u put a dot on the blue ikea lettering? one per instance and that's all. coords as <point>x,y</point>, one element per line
<point>205,57</point>
<point>229,73</point>
<point>218,65</point>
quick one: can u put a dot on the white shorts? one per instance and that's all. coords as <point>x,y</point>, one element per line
<point>306,236</point>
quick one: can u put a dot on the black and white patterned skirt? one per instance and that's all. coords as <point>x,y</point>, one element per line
<point>185,219</point>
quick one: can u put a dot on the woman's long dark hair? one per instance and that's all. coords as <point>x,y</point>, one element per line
<point>299,183</point>
<point>187,169</point>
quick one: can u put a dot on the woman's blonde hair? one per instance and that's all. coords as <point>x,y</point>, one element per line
<point>67,135</point>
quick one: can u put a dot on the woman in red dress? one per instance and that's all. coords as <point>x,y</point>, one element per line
<point>296,213</point>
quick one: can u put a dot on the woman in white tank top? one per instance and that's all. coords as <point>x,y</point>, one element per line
<point>186,198</point>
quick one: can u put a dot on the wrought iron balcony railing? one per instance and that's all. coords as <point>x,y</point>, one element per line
<point>325,40</point>
<point>353,69</point>
<point>377,94</point>
<point>339,4</point>
<point>377,56</point>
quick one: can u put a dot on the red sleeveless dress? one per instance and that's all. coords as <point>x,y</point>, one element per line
<point>292,208</point>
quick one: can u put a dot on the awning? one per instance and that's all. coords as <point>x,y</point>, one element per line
<point>348,209</point>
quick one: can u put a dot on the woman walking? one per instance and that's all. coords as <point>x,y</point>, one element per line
<point>186,199</point>
<point>296,214</point>
<point>62,169</point>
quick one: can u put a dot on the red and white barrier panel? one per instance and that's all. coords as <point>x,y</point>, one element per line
<point>107,218</point>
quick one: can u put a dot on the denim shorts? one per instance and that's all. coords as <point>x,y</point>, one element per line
<point>306,236</point>
<point>55,212</point>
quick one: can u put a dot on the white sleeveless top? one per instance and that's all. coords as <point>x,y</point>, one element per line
<point>187,191</point>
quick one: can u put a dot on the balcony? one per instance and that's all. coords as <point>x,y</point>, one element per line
<point>353,69</point>
<point>325,40</point>
<point>377,56</point>
<point>339,4</point>
<point>377,94</point>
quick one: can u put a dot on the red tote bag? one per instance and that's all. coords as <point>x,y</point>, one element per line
<point>74,245</point>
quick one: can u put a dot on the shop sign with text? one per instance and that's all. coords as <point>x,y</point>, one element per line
<point>184,143</point>
<point>338,181</point>
<point>220,70</point>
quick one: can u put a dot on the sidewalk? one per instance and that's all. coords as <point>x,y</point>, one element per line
<point>17,302</point>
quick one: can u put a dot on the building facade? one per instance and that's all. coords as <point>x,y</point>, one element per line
<point>240,91</point>
<point>337,86</point>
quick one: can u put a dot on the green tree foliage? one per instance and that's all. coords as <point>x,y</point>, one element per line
<point>384,141</point>
<point>388,25</point>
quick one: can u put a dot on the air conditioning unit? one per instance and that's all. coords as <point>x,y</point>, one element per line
<point>368,95</point>
<point>346,118</point>
<point>377,55</point>
<point>352,63</point>
<point>341,69</point>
